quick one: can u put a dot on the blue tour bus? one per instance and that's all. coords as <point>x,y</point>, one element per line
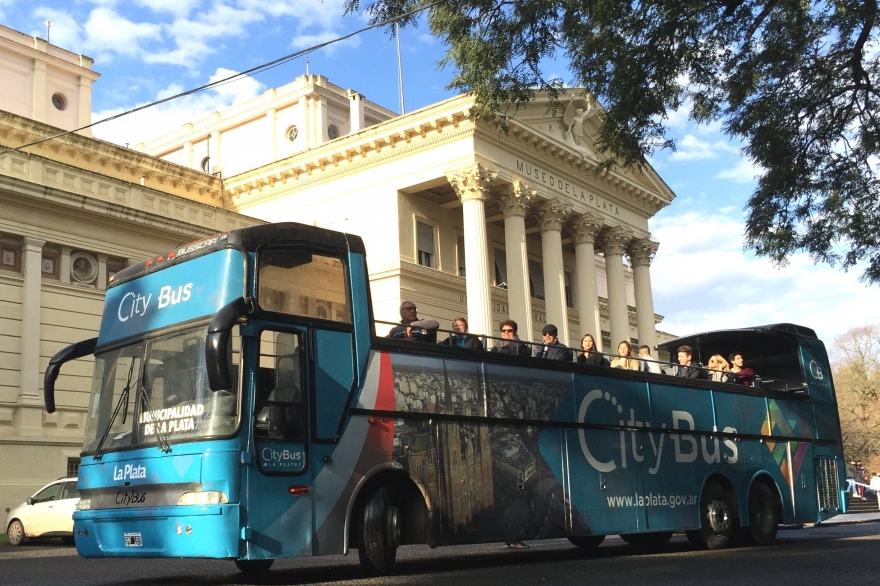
<point>243,408</point>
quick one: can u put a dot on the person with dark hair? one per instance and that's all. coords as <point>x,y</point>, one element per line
<point>685,366</point>
<point>744,376</point>
<point>589,354</point>
<point>625,357</point>
<point>510,342</point>
<point>648,362</point>
<point>412,328</point>
<point>552,348</point>
<point>461,338</point>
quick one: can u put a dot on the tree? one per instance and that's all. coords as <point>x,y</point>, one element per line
<point>793,80</point>
<point>856,370</point>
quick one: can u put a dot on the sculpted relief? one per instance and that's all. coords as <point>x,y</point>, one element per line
<point>578,111</point>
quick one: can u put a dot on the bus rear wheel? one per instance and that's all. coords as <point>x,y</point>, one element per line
<point>379,534</point>
<point>647,540</point>
<point>717,522</point>
<point>763,515</point>
<point>254,567</point>
<point>586,541</point>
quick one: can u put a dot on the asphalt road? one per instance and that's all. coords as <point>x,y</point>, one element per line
<point>839,555</point>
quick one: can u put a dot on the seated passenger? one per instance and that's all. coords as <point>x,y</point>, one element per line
<point>744,376</point>
<point>719,370</point>
<point>510,342</point>
<point>625,357</point>
<point>685,368</point>
<point>648,363</point>
<point>461,338</point>
<point>412,328</point>
<point>553,349</point>
<point>590,354</point>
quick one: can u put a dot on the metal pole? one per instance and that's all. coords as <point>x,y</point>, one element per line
<point>399,70</point>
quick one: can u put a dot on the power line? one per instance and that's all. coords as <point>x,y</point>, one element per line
<point>231,78</point>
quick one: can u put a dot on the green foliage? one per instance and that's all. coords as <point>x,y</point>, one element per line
<point>856,370</point>
<point>793,80</point>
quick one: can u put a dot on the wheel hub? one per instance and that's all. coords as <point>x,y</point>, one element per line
<point>719,516</point>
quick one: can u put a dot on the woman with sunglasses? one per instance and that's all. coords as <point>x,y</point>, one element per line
<point>510,342</point>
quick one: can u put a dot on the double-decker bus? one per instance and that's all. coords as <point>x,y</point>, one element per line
<point>243,407</point>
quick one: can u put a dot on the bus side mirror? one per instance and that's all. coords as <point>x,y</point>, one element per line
<point>72,352</point>
<point>217,348</point>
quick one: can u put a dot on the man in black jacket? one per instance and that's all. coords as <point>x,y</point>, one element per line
<point>510,342</point>
<point>552,349</point>
<point>412,328</point>
<point>685,369</point>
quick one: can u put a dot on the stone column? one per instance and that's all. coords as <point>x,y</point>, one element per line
<point>64,265</point>
<point>471,185</point>
<point>514,201</point>
<point>584,230</point>
<point>216,161</point>
<point>101,281</point>
<point>272,124</point>
<point>188,153</point>
<point>29,375</point>
<point>640,253</point>
<point>551,215</point>
<point>356,111</point>
<point>615,240</point>
<point>85,105</point>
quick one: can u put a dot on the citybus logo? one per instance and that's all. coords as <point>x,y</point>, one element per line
<point>134,304</point>
<point>687,448</point>
<point>816,370</point>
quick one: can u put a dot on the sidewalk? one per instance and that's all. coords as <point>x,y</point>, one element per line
<point>852,519</point>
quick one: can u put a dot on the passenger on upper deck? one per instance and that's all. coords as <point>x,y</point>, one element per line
<point>461,338</point>
<point>719,370</point>
<point>589,353</point>
<point>552,349</point>
<point>510,344</point>
<point>685,369</point>
<point>412,328</point>
<point>648,363</point>
<point>625,357</point>
<point>744,376</point>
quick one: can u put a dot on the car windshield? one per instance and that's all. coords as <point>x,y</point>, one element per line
<point>156,392</point>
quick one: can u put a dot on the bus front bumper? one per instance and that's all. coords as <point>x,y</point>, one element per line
<point>211,531</point>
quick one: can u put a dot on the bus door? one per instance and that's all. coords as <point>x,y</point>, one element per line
<point>278,497</point>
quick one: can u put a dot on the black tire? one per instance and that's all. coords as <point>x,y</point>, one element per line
<point>254,568</point>
<point>15,533</point>
<point>694,537</point>
<point>717,522</point>
<point>379,534</point>
<point>648,540</point>
<point>763,514</point>
<point>68,540</point>
<point>586,541</point>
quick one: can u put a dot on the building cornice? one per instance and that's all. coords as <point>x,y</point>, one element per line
<point>107,159</point>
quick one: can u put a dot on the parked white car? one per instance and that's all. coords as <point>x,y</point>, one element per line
<point>48,513</point>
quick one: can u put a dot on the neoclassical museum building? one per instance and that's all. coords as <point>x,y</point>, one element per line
<point>456,215</point>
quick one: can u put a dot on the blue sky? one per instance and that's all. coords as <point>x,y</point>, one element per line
<point>702,278</point>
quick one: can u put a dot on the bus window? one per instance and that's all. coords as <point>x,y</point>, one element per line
<point>114,389</point>
<point>298,282</point>
<point>280,401</point>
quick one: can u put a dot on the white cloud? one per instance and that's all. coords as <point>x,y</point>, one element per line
<point>306,41</point>
<point>702,280</point>
<point>744,172</point>
<point>691,148</point>
<point>179,8</point>
<point>106,32</point>
<point>153,122</point>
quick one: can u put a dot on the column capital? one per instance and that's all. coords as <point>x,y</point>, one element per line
<point>585,228</point>
<point>471,182</point>
<point>641,251</point>
<point>615,239</point>
<point>515,199</point>
<point>551,215</point>
<point>33,244</point>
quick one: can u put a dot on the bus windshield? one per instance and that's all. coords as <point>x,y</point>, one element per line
<point>156,392</point>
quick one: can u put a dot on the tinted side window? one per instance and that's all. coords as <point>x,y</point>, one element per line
<point>299,282</point>
<point>50,493</point>
<point>69,491</point>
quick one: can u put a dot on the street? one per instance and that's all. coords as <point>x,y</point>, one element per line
<point>843,554</point>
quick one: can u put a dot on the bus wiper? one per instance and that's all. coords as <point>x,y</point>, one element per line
<point>123,400</point>
<point>161,441</point>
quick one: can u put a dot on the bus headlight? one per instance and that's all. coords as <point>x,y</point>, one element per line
<point>84,504</point>
<point>210,497</point>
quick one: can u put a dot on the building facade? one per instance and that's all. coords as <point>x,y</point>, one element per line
<point>456,215</point>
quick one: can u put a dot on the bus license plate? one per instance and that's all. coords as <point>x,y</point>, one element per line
<point>133,540</point>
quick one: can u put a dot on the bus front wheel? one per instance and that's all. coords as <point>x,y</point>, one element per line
<point>379,534</point>
<point>763,515</point>
<point>254,568</point>
<point>717,522</point>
